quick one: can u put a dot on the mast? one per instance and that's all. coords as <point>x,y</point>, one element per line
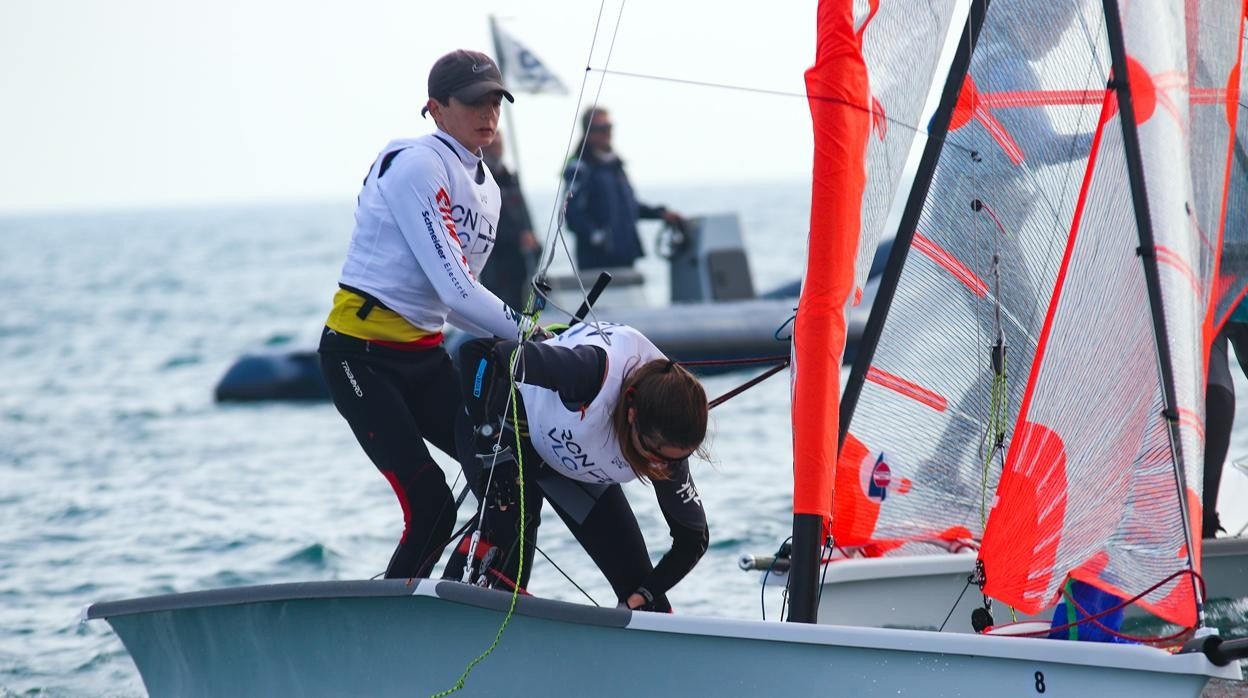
<point>1120,83</point>
<point>502,68</point>
<point>937,129</point>
<point>839,96</point>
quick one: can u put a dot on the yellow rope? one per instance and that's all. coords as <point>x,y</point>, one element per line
<point>997,422</point>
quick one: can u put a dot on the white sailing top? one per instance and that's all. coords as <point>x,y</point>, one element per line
<point>424,228</point>
<point>582,444</point>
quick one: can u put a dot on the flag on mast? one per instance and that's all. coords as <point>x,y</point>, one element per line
<point>522,70</point>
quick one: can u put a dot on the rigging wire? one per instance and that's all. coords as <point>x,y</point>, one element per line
<point>748,384</point>
<point>567,576</point>
<point>826,559</point>
<point>840,101</point>
<point>513,404</point>
<point>551,228</point>
<point>556,222</point>
<point>533,310</point>
<point>559,208</point>
<point>777,359</point>
<point>954,607</point>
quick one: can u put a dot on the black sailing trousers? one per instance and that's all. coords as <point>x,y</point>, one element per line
<point>609,533</point>
<point>394,401</point>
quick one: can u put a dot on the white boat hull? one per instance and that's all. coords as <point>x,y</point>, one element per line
<point>389,637</point>
<point>919,591</point>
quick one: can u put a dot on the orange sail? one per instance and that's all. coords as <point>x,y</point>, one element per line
<point>1035,376</point>
<point>1102,479</point>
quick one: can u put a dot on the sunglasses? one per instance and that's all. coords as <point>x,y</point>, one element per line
<point>653,452</point>
<point>600,128</point>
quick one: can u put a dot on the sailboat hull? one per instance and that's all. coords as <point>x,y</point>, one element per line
<point>920,591</point>
<point>390,637</point>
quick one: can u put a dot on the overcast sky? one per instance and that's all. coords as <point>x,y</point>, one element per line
<point>159,102</point>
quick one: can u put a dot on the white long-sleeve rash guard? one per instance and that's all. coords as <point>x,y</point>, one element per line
<point>424,228</point>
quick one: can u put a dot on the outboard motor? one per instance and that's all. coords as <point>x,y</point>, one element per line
<point>708,261</point>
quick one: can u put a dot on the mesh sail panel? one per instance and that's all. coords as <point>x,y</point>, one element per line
<point>1188,131</point>
<point>1233,268</point>
<point>1096,479</point>
<point>1213,38</point>
<point>901,44</point>
<point>1091,408</point>
<point>982,266</point>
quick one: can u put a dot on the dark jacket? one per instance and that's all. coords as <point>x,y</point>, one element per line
<point>603,212</point>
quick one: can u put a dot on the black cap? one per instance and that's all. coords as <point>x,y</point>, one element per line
<point>465,75</point>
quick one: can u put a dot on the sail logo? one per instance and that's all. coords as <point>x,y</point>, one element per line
<point>881,478</point>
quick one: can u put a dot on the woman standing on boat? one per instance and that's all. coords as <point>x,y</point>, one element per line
<point>425,224</point>
<point>596,407</point>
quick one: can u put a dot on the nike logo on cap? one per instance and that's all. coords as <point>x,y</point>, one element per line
<point>480,67</point>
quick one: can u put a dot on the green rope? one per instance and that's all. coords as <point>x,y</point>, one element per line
<point>515,587</point>
<point>997,423</point>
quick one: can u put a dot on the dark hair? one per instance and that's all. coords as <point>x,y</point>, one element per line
<point>587,117</point>
<point>670,403</point>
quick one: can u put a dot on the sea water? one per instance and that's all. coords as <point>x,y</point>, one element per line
<point>120,477</point>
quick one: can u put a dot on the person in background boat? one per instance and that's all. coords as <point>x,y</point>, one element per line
<point>515,246</point>
<point>602,209</point>
<point>597,406</point>
<point>425,221</point>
